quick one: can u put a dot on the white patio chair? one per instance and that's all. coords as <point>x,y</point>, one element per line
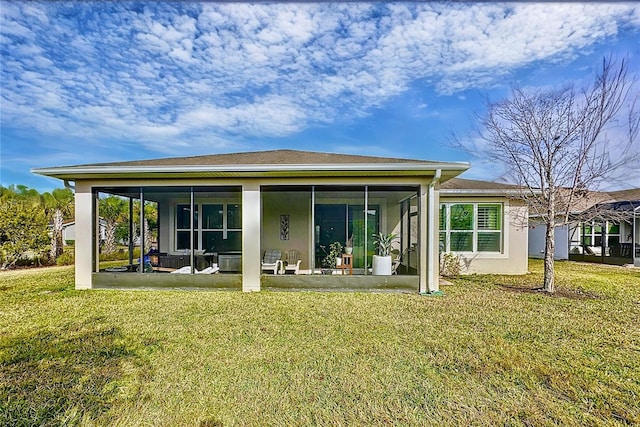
<point>271,261</point>
<point>292,262</point>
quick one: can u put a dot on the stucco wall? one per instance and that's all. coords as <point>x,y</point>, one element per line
<point>537,233</point>
<point>514,257</point>
<point>298,206</point>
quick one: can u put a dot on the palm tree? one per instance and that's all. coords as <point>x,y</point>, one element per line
<point>59,206</point>
<point>113,209</point>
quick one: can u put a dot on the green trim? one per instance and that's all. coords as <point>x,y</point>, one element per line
<point>432,294</point>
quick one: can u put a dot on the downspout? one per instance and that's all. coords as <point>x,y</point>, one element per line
<point>633,237</point>
<point>433,255</point>
<point>69,186</point>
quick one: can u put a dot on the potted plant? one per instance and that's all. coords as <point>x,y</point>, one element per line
<point>348,247</point>
<point>332,256</point>
<point>382,261</point>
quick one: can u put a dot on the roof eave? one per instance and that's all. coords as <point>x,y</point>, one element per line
<point>484,192</point>
<point>355,169</point>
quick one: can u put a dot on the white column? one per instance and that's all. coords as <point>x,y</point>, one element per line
<point>84,236</point>
<point>251,252</point>
<point>428,249</point>
<point>433,268</point>
<point>423,239</point>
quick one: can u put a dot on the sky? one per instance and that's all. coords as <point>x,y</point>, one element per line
<point>89,82</point>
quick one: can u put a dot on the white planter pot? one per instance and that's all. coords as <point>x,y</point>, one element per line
<point>348,250</point>
<point>381,265</point>
<point>338,262</point>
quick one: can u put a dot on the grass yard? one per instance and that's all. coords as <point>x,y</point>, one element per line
<point>488,352</point>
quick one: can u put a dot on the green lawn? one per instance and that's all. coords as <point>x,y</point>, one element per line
<point>488,352</point>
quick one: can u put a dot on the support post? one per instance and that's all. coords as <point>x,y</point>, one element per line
<point>429,253</point>
<point>85,235</point>
<point>251,245</point>
<point>142,236</point>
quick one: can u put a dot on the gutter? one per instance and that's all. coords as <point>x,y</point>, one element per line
<point>78,170</point>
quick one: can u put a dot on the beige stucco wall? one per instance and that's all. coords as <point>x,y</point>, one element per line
<point>514,258</point>
<point>298,206</point>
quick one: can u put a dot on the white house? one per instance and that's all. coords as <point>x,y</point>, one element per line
<point>231,209</point>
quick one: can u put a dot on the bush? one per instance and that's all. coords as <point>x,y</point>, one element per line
<point>23,232</point>
<point>120,254</point>
<point>66,258</point>
<point>69,242</point>
<point>449,265</point>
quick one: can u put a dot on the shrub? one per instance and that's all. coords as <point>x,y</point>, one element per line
<point>449,265</point>
<point>120,254</point>
<point>23,232</point>
<point>69,242</point>
<point>66,258</point>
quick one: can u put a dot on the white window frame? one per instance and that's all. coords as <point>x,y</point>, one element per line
<point>474,230</point>
<point>198,227</point>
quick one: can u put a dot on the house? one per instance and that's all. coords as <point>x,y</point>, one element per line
<point>69,231</point>
<point>496,242</point>
<point>233,209</point>
<point>605,229</point>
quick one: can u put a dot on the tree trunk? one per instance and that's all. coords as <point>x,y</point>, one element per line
<point>56,235</point>
<point>549,252</point>
<point>147,236</point>
<point>550,238</point>
<point>110,238</point>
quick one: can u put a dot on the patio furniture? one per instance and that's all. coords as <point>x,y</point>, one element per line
<point>271,261</point>
<point>395,261</point>
<point>178,261</point>
<point>346,264</point>
<point>230,262</point>
<point>292,261</point>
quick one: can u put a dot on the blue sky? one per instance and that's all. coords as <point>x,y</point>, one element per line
<point>87,82</point>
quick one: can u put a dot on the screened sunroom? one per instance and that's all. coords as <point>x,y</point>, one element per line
<point>263,220</point>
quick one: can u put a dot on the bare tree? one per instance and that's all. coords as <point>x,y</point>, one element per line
<point>556,144</point>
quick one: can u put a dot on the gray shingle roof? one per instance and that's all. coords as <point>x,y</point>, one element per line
<point>273,157</point>
<point>472,184</point>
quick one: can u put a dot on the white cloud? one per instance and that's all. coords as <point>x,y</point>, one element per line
<point>165,73</point>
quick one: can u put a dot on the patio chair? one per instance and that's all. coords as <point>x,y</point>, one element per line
<point>292,261</point>
<point>271,261</point>
<point>396,260</point>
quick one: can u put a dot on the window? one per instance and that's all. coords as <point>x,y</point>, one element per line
<point>183,225</point>
<point>592,234</point>
<point>471,227</point>
<point>219,228</point>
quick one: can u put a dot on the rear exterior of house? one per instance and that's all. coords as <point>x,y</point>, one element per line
<point>485,224</point>
<point>605,228</point>
<point>228,210</point>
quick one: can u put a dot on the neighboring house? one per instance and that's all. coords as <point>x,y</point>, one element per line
<point>607,231</point>
<point>233,208</point>
<point>69,231</point>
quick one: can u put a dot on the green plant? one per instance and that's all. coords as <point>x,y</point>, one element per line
<point>23,232</point>
<point>349,242</point>
<point>120,254</point>
<point>66,258</point>
<point>335,251</point>
<point>383,242</point>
